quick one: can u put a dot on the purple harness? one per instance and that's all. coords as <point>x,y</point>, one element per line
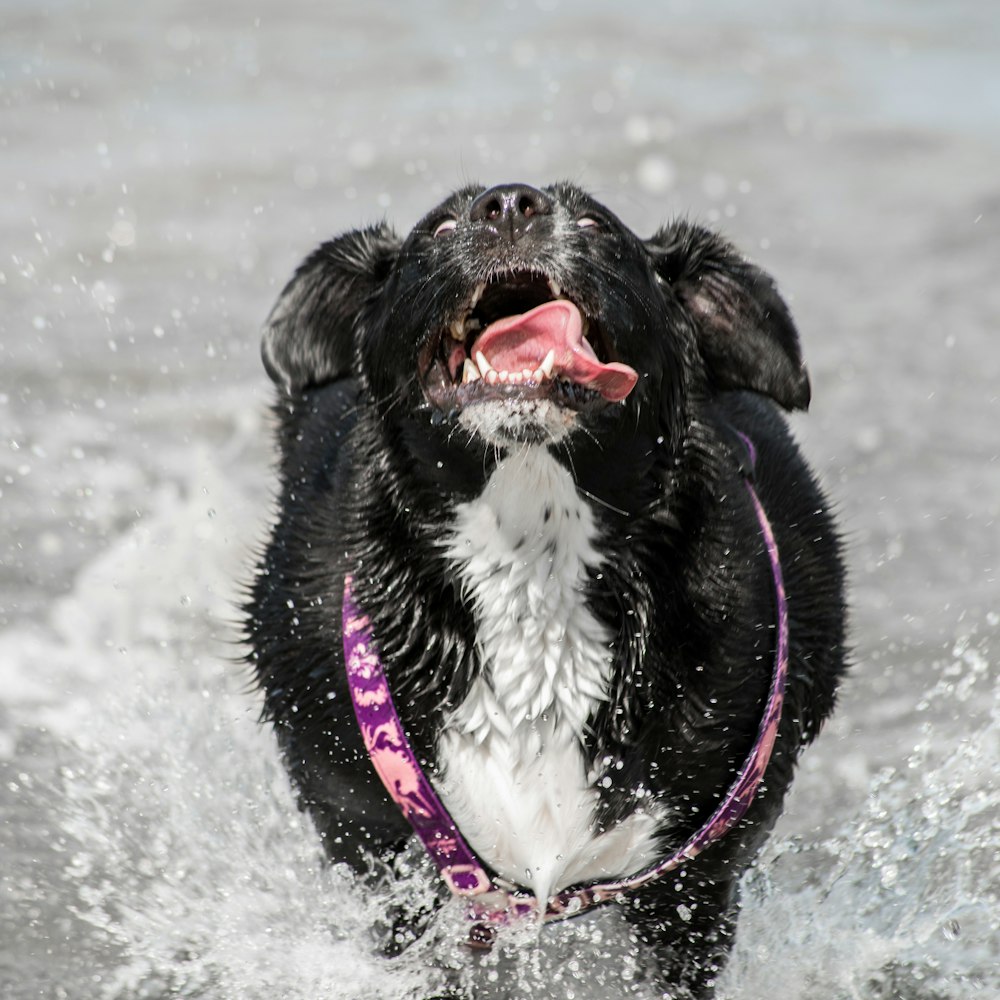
<point>493,902</point>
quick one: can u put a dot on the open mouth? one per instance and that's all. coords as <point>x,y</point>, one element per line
<point>521,338</point>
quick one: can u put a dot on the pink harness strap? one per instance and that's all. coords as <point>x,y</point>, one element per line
<point>491,902</point>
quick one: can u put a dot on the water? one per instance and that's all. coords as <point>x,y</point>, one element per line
<point>166,165</point>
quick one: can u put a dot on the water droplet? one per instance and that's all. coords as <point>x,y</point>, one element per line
<point>655,174</point>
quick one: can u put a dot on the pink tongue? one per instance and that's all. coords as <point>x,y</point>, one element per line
<point>521,342</point>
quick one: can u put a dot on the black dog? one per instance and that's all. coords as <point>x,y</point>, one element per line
<point>527,435</point>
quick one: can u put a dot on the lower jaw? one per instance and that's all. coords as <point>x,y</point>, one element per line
<point>522,421</point>
<point>559,393</point>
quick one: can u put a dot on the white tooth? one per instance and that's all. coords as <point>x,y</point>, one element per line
<point>548,364</point>
<point>492,377</point>
<point>470,373</point>
<point>526,373</point>
<point>538,374</point>
<point>477,294</point>
<point>504,376</point>
<point>458,329</point>
<point>556,290</point>
<point>484,366</point>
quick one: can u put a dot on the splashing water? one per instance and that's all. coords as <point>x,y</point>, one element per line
<point>174,861</point>
<point>164,169</point>
<point>905,900</point>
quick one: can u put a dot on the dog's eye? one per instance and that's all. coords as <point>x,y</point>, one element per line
<point>587,222</point>
<point>444,227</point>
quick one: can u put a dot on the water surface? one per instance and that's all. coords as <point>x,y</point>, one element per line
<point>166,165</point>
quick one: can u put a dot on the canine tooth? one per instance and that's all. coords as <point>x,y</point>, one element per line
<point>538,374</point>
<point>478,294</point>
<point>457,329</point>
<point>470,373</point>
<point>556,290</point>
<point>548,364</point>
<point>484,366</point>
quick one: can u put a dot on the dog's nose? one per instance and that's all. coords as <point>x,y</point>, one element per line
<point>510,209</point>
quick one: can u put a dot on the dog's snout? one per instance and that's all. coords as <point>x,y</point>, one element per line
<point>510,209</point>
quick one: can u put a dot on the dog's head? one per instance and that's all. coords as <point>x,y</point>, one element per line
<point>518,314</point>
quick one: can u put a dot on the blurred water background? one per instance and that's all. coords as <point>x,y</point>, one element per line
<point>163,167</point>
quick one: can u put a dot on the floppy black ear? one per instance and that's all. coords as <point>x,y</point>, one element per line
<point>745,331</point>
<point>309,336</point>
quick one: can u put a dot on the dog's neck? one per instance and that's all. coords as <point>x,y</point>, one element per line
<point>524,549</point>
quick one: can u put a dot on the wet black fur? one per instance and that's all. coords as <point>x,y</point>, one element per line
<point>370,473</point>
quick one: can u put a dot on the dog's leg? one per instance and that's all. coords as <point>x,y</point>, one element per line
<point>411,910</point>
<point>404,924</point>
<point>689,931</point>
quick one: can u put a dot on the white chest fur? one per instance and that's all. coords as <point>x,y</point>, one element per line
<point>514,776</point>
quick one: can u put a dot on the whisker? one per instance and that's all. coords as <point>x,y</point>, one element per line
<point>603,502</point>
